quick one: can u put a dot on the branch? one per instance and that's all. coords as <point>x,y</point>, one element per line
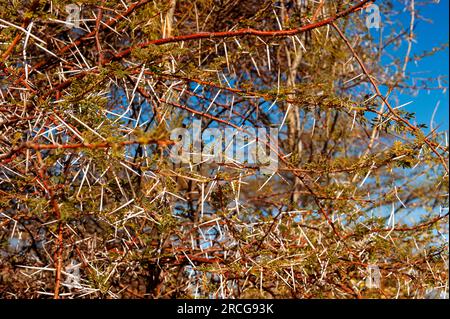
<point>211,35</point>
<point>243,32</point>
<point>37,147</point>
<point>398,118</point>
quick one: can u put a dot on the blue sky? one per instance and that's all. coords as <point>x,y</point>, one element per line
<point>429,35</point>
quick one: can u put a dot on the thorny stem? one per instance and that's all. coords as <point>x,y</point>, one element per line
<point>398,118</point>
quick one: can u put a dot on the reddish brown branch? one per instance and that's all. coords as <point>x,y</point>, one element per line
<point>57,213</point>
<point>244,32</point>
<point>212,35</point>
<point>18,37</point>
<point>97,35</point>
<point>37,146</point>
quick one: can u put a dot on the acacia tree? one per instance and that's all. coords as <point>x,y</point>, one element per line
<point>93,207</point>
